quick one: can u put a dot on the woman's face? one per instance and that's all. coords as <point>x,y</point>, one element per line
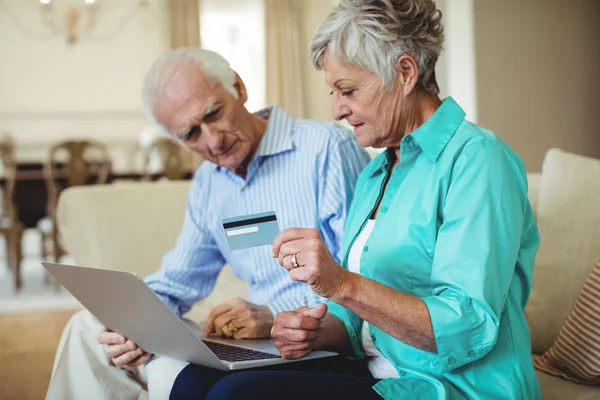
<point>360,99</point>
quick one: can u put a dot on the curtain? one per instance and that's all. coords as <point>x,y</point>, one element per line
<point>185,23</point>
<point>286,56</point>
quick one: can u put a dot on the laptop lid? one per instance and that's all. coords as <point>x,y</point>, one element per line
<point>123,303</point>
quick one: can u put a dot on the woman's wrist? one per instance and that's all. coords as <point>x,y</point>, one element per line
<point>347,286</point>
<point>333,336</point>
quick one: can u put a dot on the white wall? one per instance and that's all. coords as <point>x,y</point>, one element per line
<point>51,91</point>
<point>456,67</point>
<point>318,101</point>
<point>538,64</point>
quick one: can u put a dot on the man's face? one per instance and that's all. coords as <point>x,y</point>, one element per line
<point>207,118</point>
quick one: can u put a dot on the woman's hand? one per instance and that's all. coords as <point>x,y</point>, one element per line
<point>304,254</point>
<point>294,332</point>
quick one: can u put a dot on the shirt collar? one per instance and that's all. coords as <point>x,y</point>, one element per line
<point>278,135</point>
<point>433,136</point>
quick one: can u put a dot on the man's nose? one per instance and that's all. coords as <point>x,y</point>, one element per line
<point>214,138</point>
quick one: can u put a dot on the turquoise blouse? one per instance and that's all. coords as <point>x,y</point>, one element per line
<point>456,229</point>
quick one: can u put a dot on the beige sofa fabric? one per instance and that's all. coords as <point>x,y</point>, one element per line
<point>130,226</point>
<point>568,216</point>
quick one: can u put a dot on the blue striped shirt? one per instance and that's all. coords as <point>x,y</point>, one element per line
<point>305,171</point>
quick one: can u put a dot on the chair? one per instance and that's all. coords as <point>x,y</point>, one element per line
<point>10,226</point>
<point>71,163</point>
<point>169,156</point>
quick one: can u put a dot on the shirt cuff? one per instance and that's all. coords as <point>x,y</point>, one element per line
<point>460,335</point>
<point>172,304</point>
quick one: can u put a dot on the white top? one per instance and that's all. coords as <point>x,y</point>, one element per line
<point>379,366</point>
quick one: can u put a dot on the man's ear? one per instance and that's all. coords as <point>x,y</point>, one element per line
<point>240,87</point>
<point>407,73</point>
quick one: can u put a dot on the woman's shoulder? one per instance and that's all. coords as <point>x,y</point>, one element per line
<point>471,139</point>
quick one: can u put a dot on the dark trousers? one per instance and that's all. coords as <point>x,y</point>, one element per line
<point>327,379</point>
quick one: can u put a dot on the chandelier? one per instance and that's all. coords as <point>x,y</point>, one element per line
<point>73,19</point>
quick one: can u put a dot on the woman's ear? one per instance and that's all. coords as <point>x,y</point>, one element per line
<point>240,87</point>
<point>407,73</point>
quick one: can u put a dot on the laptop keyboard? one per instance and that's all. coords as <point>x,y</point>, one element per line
<point>229,353</point>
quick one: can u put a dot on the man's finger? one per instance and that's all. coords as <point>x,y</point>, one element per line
<point>222,320</point>
<point>115,350</point>
<point>141,360</point>
<point>106,337</point>
<point>128,357</point>
<point>226,332</point>
<point>214,313</point>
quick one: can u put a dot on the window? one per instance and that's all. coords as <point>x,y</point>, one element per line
<point>236,30</point>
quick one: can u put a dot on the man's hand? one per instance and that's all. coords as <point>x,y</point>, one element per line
<point>294,332</point>
<point>122,352</point>
<point>240,319</point>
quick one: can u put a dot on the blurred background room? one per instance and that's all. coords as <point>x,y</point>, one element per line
<point>71,114</point>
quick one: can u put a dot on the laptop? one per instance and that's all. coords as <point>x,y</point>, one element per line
<point>123,303</point>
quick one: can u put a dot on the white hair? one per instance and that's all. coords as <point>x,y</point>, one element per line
<point>167,67</point>
<point>373,34</point>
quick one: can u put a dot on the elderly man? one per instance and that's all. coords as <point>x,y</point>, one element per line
<point>304,170</point>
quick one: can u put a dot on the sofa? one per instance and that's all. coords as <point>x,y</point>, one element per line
<point>129,226</point>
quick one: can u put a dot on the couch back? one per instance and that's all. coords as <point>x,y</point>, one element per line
<point>568,217</point>
<point>125,226</point>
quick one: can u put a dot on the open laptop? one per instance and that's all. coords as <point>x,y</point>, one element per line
<point>122,302</point>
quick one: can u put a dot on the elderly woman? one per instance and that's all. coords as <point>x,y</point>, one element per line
<point>439,243</point>
<point>440,240</point>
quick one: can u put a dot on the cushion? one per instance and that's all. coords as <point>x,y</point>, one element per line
<point>575,354</point>
<point>568,218</point>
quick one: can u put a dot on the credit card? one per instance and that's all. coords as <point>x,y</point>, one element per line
<point>251,230</point>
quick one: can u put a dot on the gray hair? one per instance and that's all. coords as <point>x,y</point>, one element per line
<point>166,67</point>
<point>373,34</point>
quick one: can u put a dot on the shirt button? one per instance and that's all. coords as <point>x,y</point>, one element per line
<point>471,354</point>
<point>402,373</point>
<point>366,248</point>
<point>384,209</point>
<point>451,360</point>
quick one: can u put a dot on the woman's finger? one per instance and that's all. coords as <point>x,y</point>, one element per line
<point>285,236</point>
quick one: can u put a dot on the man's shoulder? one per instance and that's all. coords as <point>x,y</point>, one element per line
<point>202,176</point>
<point>317,132</point>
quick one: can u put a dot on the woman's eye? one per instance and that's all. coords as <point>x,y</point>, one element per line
<point>347,92</point>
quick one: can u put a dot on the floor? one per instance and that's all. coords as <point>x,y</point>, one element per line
<point>31,322</point>
<point>37,294</point>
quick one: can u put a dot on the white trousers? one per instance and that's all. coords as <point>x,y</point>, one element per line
<point>82,371</point>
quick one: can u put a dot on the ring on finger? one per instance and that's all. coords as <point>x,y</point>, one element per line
<point>294,261</point>
<point>232,328</point>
